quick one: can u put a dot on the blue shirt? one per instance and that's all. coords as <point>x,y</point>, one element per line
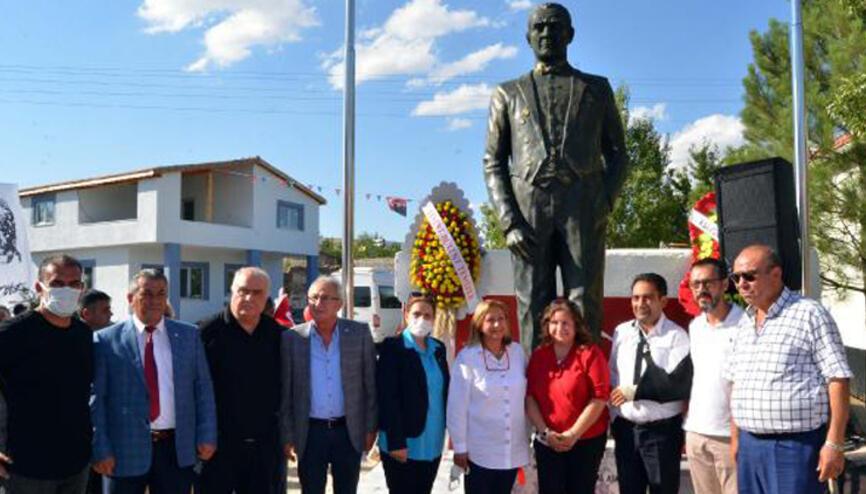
<point>326,393</point>
<point>428,445</point>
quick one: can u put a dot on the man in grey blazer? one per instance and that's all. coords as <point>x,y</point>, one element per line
<point>328,411</point>
<point>554,164</point>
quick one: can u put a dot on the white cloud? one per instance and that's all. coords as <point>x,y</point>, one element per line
<point>471,63</point>
<point>458,123</point>
<point>515,5</point>
<point>405,43</point>
<point>466,98</point>
<point>234,27</point>
<point>657,112</point>
<point>718,129</point>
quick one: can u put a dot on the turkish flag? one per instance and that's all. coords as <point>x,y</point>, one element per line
<point>397,204</point>
<point>283,312</point>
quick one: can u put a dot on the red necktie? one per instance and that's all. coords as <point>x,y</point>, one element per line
<point>150,376</point>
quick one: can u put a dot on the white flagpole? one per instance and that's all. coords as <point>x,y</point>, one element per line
<point>801,172</point>
<point>349,160</point>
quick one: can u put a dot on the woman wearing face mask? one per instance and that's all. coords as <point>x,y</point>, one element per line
<point>412,386</point>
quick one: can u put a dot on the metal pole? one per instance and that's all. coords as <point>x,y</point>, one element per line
<point>349,160</point>
<point>801,172</point>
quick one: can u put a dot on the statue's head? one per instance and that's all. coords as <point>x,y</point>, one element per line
<point>549,32</point>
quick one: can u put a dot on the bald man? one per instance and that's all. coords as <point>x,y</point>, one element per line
<point>243,352</point>
<point>789,377</point>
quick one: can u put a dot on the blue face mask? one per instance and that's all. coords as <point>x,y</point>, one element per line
<point>60,301</point>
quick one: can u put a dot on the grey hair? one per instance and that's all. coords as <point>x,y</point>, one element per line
<point>251,271</point>
<point>148,275</point>
<point>326,280</point>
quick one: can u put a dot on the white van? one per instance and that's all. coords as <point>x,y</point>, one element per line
<point>375,301</point>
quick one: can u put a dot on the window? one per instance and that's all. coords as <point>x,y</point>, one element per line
<point>87,266</point>
<point>43,209</point>
<point>290,215</point>
<point>388,299</point>
<point>362,296</point>
<point>187,209</point>
<point>229,272</point>
<point>194,280</point>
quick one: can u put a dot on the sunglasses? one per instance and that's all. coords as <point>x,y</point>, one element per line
<point>698,284</point>
<point>748,276</point>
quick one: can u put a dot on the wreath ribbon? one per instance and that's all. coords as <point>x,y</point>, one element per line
<point>461,269</point>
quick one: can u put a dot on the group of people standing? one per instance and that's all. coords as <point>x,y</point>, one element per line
<point>157,405</point>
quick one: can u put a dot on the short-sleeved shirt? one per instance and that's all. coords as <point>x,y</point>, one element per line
<point>563,390</point>
<point>709,406</point>
<point>780,371</point>
<point>47,373</point>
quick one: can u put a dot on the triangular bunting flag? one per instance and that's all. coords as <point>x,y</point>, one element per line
<point>397,204</point>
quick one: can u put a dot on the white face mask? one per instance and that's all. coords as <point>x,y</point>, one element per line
<point>420,327</point>
<point>61,301</point>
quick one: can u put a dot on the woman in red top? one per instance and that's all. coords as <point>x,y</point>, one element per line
<point>567,388</point>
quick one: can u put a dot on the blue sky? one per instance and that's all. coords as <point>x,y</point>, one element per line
<point>93,87</point>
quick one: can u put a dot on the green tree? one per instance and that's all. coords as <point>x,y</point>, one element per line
<point>653,206</point>
<point>366,246</point>
<point>491,229</point>
<point>835,61</point>
<point>704,161</point>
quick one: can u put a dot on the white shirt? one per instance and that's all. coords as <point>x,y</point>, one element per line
<point>709,407</point>
<point>485,414</point>
<point>164,371</point>
<point>668,344</point>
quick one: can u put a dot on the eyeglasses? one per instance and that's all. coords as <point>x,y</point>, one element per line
<point>315,299</point>
<point>748,276</point>
<point>698,284</point>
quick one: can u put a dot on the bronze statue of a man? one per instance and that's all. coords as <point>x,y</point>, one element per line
<point>554,163</point>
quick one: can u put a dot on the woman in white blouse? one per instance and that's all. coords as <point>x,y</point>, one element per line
<point>485,416</point>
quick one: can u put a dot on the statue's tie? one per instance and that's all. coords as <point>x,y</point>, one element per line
<point>151,378</point>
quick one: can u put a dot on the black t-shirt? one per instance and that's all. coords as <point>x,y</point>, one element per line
<point>46,373</point>
<point>245,369</point>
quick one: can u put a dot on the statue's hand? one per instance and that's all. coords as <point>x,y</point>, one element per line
<point>521,242</point>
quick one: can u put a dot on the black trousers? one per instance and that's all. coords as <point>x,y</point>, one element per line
<point>329,446</point>
<point>575,470</point>
<point>164,477</point>
<point>648,455</point>
<point>412,477</point>
<point>482,480</point>
<point>241,467</point>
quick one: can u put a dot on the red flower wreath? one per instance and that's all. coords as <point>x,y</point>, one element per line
<point>703,246</point>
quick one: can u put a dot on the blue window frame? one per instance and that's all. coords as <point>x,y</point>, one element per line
<point>195,280</point>
<point>87,267</point>
<point>43,209</point>
<point>229,275</point>
<point>290,215</point>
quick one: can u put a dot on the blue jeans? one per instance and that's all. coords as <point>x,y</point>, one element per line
<point>779,463</point>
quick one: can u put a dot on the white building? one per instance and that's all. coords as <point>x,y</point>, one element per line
<point>198,222</point>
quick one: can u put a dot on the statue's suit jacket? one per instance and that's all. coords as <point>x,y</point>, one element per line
<point>594,141</point>
<point>357,372</point>
<point>569,230</point>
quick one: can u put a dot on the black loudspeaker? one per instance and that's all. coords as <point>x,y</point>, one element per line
<point>756,203</point>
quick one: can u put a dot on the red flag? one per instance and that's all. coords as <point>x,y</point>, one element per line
<point>283,312</point>
<point>397,204</point>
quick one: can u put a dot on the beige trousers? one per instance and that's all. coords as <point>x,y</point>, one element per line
<point>710,464</point>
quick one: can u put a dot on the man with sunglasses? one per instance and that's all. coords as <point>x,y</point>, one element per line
<point>789,377</point>
<point>46,366</point>
<point>708,423</point>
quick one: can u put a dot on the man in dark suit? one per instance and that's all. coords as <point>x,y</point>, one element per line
<point>328,412</point>
<point>554,163</point>
<point>153,405</point>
